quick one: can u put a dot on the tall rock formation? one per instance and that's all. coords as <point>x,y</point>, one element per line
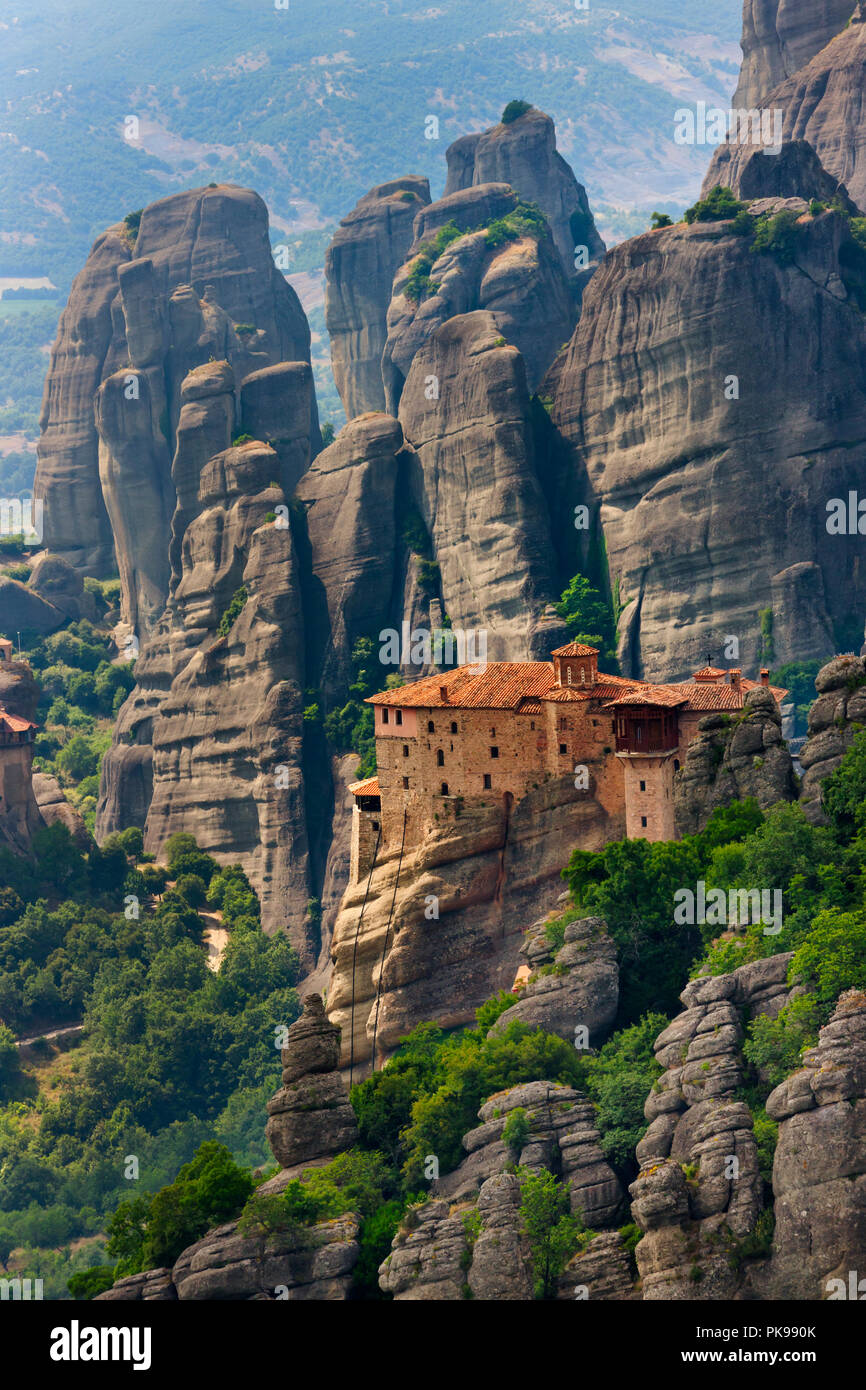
<point>524,155</point>
<point>210,741</point>
<point>820,100</point>
<point>360,264</point>
<point>779,38</point>
<point>690,436</point>
<point>477,488</point>
<point>518,278</point>
<point>197,282</point>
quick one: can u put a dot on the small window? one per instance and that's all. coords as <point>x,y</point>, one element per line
<point>492,733</point>
<point>569,676</point>
<point>494,752</point>
<point>643,822</point>
<point>562,724</point>
<point>643,786</point>
<point>563,748</point>
<point>375,824</point>
<point>398,716</point>
<point>676,764</point>
<point>583,675</point>
<point>405,783</point>
<point>454,726</point>
<point>385,715</point>
<point>440,758</point>
<point>444,788</point>
<point>431,727</point>
<point>488,782</point>
<point>532,723</point>
<point>405,750</point>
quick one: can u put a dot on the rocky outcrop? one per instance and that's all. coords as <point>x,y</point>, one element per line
<point>819,98</point>
<point>780,38</point>
<point>477,489</point>
<point>350,500</point>
<point>468,1241</point>
<point>19,689</point>
<point>23,610</point>
<point>839,709</point>
<point>794,171</point>
<point>520,281</point>
<point>524,155</point>
<point>313,1264</point>
<point>486,870</point>
<point>819,1171</point>
<point>310,1118</point>
<point>144,311</point>
<point>151,1286</point>
<point>576,986</point>
<point>55,580</point>
<point>732,759</point>
<point>55,809</point>
<point>706,467</point>
<point>699,1191</point>
<point>221,711</point>
<point>360,265</point>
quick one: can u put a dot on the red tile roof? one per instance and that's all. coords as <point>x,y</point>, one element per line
<point>691,695</point>
<point>14,723</point>
<point>369,787</point>
<point>708,672</point>
<point>501,686</point>
<point>667,695</point>
<point>575,649</point>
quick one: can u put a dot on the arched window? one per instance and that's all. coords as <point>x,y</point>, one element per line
<point>569,675</point>
<point>444,788</point>
<point>440,758</point>
<point>454,726</point>
<point>583,675</point>
<point>431,727</point>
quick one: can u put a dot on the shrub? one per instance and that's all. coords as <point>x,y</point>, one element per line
<point>719,205</point>
<point>554,1234</point>
<point>87,1283</point>
<point>777,236</point>
<point>239,598</point>
<point>659,220</point>
<point>516,1132</point>
<point>514,110</point>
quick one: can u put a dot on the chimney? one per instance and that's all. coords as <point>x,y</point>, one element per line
<point>443,694</point>
<point>736,677</point>
<point>765,676</point>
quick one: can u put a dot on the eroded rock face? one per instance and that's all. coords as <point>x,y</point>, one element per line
<point>54,808</point>
<point>779,38</point>
<point>820,98</point>
<point>437,1256</point>
<point>819,1172</point>
<point>55,580</point>
<point>732,761</point>
<point>705,500</point>
<point>143,312</point>
<point>316,1265</point>
<point>841,703</point>
<point>489,869</point>
<point>524,155</point>
<point>581,987</point>
<point>794,171</point>
<point>522,283</point>
<point>360,265</point>
<point>477,488</point>
<point>699,1189</point>
<point>311,1119</point>
<point>211,736</point>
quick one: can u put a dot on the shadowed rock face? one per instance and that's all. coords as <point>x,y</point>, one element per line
<point>360,264</point>
<point>521,282</point>
<point>583,990</point>
<point>140,316</point>
<point>779,38</point>
<point>524,155</point>
<point>821,101</point>
<point>477,489</point>
<point>708,505</point>
<point>795,172</point>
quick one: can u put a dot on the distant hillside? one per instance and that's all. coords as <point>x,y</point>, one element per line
<point>312,106</point>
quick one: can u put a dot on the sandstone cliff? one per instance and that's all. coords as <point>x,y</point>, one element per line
<point>688,434</point>
<point>820,99</point>
<point>396,964</point>
<point>524,155</point>
<point>360,264</point>
<point>779,38</point>
<point>144,311</point>
<point>478,490</point>
<point>520,281</point>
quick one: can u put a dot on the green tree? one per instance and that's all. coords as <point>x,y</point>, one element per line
<point>586,614</point>
<point>554,1234</point>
